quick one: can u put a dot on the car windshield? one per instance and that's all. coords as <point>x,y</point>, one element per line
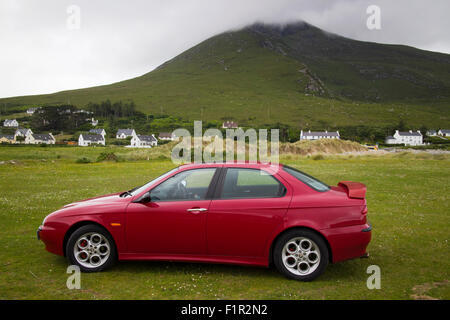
<point>307,179</point>
<point>138,190</point>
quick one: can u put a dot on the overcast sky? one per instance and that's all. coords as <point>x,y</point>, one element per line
<point>43,49</point>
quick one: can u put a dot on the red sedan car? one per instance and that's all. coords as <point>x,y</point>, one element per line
<point>239,213</point>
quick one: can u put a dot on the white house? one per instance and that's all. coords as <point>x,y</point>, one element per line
<point>85,140</point>
<point>10,123</point>
<point>316,135</point>
<point>23,132</point>
<point>444,132</point>
<point>432,133</point>
<point>390,140</point>
<point>45,138</point>
<point>229,125</point>
<point>98,131</point>
<point>31,110</point>
<point>166,136</point>
<point>141,141</point>
<point>408,138</point>
<point>93,122</point>
<point>125,133</point>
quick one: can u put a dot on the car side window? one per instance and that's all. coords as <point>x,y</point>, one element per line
<point>186,185</point>
<point>243,183</point>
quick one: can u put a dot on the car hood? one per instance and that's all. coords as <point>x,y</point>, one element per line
<point>107,199</point>
<point>110,203</point>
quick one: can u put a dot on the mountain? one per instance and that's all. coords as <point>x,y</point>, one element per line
<point>295,74</point>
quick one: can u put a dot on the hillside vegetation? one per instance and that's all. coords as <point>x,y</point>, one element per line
<point>297,75</point>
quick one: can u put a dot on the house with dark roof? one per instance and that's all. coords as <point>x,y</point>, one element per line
<point>44,138</point>
<point>316,135</point>
<point>142,141</point>
<point>10,123</point>
<point>432,133</point>
<point>23,132</point>
<point>7,138</point>
<point>444,133</point>
<point>166,136</point>
<point>408,138</point>
<point>125,133</point>
<point>98,131</point>
<point>31,110</point>
<point>229,125</point>
<point>85,140</point>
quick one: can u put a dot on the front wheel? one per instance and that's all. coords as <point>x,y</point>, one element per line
<point>91,248</point>
<point>301,255</point>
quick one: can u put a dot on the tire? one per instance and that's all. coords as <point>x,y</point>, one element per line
<point>295,261</point>
<point>91,248</point>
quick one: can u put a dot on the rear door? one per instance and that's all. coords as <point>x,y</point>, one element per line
<point>248,206</point>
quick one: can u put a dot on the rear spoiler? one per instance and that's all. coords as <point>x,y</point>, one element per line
<point>354,189</point>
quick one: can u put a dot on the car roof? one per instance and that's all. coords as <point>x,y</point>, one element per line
<point>245,164</point>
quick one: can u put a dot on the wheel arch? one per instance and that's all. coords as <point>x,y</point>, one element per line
<point>80,224</point>
<point>274,241</point>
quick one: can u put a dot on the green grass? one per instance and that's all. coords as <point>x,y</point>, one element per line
<point>408,203</point>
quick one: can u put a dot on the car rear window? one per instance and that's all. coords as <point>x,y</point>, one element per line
<point>307,179</point>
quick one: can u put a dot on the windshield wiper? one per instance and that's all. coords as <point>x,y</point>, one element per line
<point>128,193</point>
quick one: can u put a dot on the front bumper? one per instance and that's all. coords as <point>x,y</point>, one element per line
<point>52,238</point>
<point>38,231</point>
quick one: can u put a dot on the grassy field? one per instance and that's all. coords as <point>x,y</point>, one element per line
<point>408,199</point>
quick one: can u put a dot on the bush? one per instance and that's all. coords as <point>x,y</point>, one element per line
<point>83,160</point>
<point>107,156</point>
<point>318,157</point>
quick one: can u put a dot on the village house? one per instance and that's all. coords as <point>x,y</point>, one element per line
<point>316,135</point>
<point>10,123</point>
<point>45,138</point>
<point>31,110</point>
<point>444,133</point>
<point>98,131</point>
<point>166,136</point>
<point>431,133</point>
<point>93,122</point>
<point>141,141</point>
<point>229,125</point>
<point>85,140</point>
<point>7,138</point>
<point>23,132</point>
<point>408,138</point>
<point>125,133</point>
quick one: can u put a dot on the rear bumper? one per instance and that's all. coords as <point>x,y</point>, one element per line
<point>348,242</point>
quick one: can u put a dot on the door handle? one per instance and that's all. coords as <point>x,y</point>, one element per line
<point>197,210</point>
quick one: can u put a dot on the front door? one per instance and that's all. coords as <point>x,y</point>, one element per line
<point>174,221</point>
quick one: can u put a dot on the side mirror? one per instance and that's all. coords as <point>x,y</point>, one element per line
<point>145,198</point>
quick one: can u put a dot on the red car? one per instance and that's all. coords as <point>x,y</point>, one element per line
<point>239,213</point>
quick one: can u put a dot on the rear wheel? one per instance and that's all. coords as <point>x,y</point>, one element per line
<point>301,254</point>
<point>91,248</point>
